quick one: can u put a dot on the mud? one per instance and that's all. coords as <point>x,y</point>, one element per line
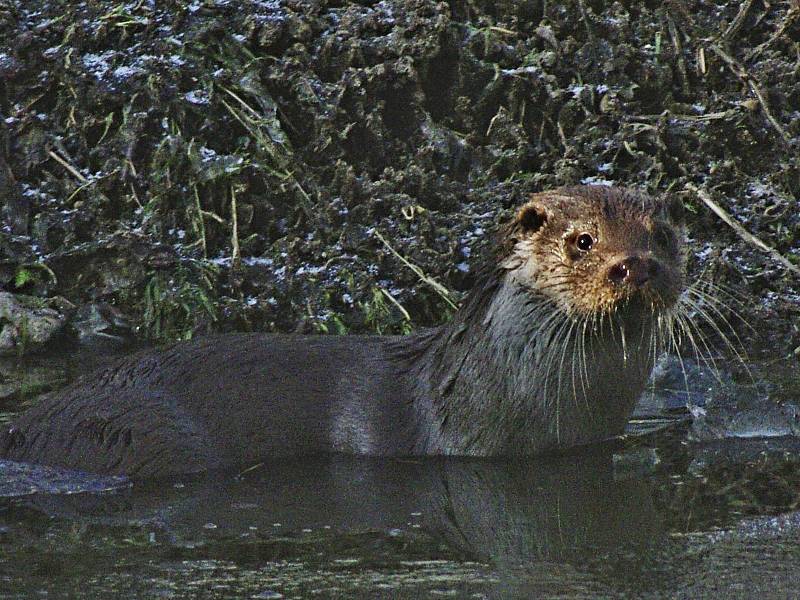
<point>211,165</point>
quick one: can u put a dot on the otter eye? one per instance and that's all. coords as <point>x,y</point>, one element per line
<point>584,242</point>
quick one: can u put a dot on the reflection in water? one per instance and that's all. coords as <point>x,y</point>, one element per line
<point>363,528</point>
<point>536,523</point>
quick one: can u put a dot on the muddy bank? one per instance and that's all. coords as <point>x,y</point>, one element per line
<point>211,165</point>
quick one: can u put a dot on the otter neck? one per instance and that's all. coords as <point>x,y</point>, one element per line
<point>514,373</point>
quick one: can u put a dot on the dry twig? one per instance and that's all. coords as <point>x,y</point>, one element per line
<point>675,35</point>
<point>437,287</point>
<point>738,21</point>
<point>742,74</point>
<point>734,65</point>
<point>788,21</point>
<point>740,230</point>
<point>394,301</point>
<point>73,171</point>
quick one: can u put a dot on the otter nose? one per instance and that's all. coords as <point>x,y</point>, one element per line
<point>633,270</point>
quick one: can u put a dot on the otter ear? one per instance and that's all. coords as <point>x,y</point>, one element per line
<point>531,217</point>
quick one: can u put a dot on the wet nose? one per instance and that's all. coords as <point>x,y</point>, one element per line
<point>633,270</point>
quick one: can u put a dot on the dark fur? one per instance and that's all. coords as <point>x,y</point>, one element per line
<point>480,385</point>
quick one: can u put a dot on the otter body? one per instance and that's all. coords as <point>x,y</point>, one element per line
<point>219,401</point>
<point>550,350</point>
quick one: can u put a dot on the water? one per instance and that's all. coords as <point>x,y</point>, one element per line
<point>335,526</point>
<point>653,515</point>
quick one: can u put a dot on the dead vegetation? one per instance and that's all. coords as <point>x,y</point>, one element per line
<point>233,166</point>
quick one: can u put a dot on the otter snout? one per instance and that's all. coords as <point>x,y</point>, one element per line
<point>634,271</point>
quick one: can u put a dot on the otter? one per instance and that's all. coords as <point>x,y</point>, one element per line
<point>550,350</point>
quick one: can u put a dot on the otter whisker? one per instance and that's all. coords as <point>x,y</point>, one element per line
<point>557,341</point>
<point>705,279</point>
<point>700,298</point>
<point>624,342</point>
<point>576,350</point>
<point>555,285</point>
<point>585,369</point>
<point>702,295</point>
<point>566,345</point>
<point>718,330</point>
<point>587,339</point>
<point>676,332</point>
<point>705,357</point>
<point>735,298</point>
<point>653,341</point>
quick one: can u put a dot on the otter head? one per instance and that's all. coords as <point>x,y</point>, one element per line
<point>595,250</point>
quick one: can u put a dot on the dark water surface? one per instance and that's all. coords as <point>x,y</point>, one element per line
<point>360,528</point>
<point>649,516</point>
<point>356,526</point>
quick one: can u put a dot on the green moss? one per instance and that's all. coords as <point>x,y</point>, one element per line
<point>385,315</point>
<point>177,304</point>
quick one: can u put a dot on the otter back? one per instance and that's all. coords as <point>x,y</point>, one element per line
<point>220,401</point>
